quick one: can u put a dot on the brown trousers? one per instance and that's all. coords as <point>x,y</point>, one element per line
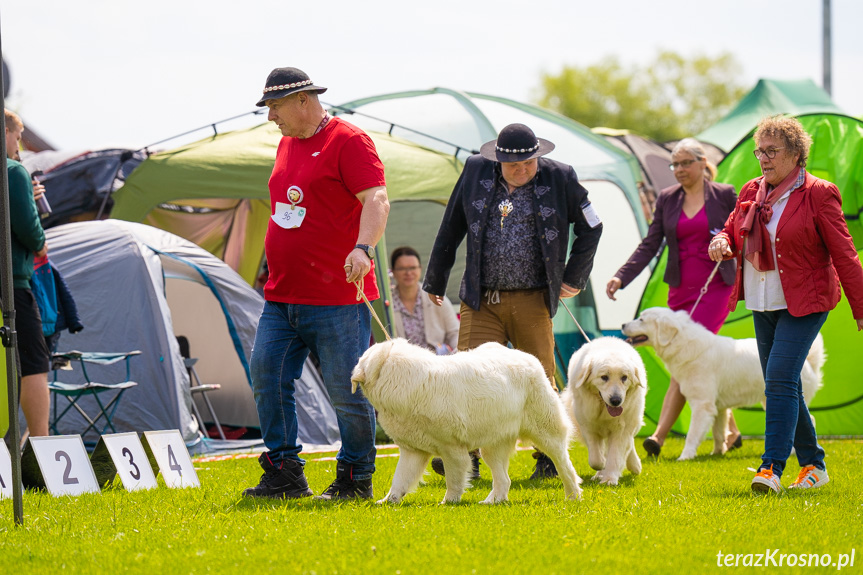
<point>520,317</point>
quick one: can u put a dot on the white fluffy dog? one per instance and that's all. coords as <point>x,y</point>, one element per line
<point>715,373</point>
<point>448,405</point>
<point>607,385</point>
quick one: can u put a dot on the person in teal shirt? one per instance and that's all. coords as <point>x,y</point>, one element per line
<point>28,240</point>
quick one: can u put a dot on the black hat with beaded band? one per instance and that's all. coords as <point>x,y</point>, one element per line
<point>285,81</point>
<point>515,143</point>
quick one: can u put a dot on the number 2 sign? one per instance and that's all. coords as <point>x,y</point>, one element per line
<point>64,463</point>
<point>171,454</point>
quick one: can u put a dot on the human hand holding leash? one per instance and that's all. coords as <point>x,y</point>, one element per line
<point>719,249</point>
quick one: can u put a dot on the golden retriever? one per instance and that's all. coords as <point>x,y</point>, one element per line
<point>448,405</point>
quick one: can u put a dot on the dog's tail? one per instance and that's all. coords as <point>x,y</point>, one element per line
<point>816,357</point>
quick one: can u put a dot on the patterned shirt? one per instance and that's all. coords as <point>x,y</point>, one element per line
<point>413,322</point>
<point>512,256</point>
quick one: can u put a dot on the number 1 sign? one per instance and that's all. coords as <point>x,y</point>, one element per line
<point>171,454</point>
<point>5,471</point>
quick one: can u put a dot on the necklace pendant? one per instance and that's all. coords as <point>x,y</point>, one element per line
<point>505,208</point>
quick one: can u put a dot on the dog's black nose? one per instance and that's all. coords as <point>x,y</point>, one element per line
<point>615,400</point>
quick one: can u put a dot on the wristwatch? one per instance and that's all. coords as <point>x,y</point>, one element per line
<point>370,251</point>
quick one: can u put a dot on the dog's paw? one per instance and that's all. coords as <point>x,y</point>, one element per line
<point>389,499</point>
<point>686,456</point>
<point>491,500</point>
<point>605,478</point>
<point>575,495</point>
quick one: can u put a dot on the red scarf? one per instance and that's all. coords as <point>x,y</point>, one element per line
<point>758,249</point>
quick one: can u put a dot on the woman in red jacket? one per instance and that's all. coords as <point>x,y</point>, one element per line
<point>793,249</point>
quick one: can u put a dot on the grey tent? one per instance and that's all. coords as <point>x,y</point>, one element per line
<point>138,287</point>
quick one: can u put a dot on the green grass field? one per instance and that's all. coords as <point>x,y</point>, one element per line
<point>673,518</point>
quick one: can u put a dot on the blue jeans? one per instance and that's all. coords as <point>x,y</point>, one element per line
<point>783,344</point>
<point>338,335</point>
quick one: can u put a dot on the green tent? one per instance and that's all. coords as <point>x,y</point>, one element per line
<point>214,192</point>
<point>838,407</point>
<point>768,97</point>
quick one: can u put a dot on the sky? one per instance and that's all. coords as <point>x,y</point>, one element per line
<point>91,74</point>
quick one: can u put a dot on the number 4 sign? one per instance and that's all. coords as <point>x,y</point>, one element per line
<point>171,454</point>
<point>123,454</point>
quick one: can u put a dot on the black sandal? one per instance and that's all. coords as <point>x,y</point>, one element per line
<point>738,443</point>
<point>652,447</point>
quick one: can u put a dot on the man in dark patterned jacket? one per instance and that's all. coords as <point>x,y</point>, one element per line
<point>515,208</point>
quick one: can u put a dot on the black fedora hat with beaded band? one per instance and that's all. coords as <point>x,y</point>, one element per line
<point>515,143</point>
<point>285,81</point>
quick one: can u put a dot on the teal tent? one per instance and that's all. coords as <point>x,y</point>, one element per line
<point>835,156</point>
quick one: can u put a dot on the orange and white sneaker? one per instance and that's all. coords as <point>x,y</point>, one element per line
<point>765,481</point>
<point>810,476</point>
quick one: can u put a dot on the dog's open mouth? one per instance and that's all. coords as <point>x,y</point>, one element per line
<point>637,339</point>
<point>614,411</point>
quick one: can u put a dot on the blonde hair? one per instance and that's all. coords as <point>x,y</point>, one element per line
<point>790,130</point>
<point>694,147</point>
<point>13,122</point>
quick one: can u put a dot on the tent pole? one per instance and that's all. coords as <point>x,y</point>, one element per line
<point>7,332</point>
<point>828,59</point>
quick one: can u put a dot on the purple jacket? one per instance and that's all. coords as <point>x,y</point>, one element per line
<point>719,202</point>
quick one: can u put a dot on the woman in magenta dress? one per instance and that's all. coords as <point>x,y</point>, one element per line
<point>686,216</point>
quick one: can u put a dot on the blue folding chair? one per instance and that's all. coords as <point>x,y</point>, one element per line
<point>74,392</point>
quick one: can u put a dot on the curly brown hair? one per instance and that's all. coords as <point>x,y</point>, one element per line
<point>790,130</point>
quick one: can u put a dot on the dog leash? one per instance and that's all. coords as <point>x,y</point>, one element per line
<point>704,289</point>
<point>578,325</point>
<point>362,296</point>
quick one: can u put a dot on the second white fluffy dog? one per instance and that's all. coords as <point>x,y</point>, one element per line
<point>607,386</point>
<point>715,373</point>
<point>448,405</point>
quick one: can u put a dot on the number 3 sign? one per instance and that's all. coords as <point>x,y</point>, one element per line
<point>123,454</point>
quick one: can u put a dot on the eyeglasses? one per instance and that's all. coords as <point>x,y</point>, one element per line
<point>769,152</point>
<point>681,164</point>
<point>410,269</point>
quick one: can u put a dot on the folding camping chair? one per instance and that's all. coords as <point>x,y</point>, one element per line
<point>198,388</point>
<point>74,392</point>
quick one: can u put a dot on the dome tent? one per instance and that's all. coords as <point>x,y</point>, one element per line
<point>837,145</point>
<point>459,123</point>
<point>136,288</point>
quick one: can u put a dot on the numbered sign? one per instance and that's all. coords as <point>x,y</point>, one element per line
<point>64,465</point>
<point>122,454</point>
<point>169,450</point>
<point>5,471</point>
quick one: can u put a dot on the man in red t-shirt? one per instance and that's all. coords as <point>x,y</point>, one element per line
<point>329,208</point>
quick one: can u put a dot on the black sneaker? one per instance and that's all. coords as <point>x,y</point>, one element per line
<point>544,466</point>
<point>287,481</point>
<point>344,487</point>
<point>437,466</point>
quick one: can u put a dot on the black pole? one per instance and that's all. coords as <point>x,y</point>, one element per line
<point>7,331</point>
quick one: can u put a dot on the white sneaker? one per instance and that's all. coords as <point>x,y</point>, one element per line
<point>765,481</point>
<point>810,476</point>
